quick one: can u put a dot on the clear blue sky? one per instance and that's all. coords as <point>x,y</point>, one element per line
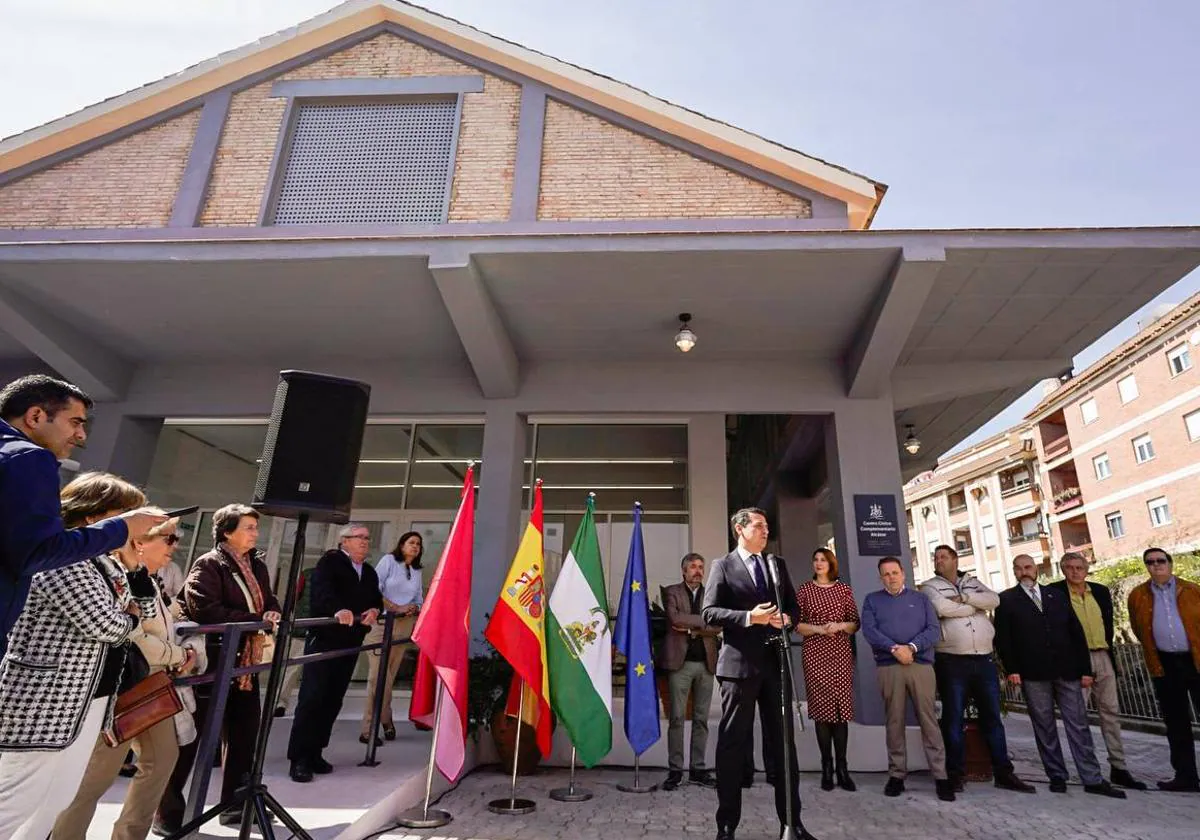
<point>1023,113</point>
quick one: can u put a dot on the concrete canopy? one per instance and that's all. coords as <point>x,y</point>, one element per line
<point>950,325</point>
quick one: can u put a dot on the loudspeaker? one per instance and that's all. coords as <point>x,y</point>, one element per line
<point>310,457</point>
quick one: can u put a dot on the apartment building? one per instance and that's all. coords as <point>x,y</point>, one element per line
<point>1120,443</point>
<point>986,501</point>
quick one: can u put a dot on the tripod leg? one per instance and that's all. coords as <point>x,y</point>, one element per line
<point>261,817</point>
<point>284,817</point>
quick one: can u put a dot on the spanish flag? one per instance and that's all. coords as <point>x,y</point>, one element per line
<point>517,628</point>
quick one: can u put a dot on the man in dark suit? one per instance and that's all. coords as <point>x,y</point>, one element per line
<point>740,599</point>
<point>1044,651</point>
<point>1093,608</point>
<point>689,656</point>
<point>342,586</point>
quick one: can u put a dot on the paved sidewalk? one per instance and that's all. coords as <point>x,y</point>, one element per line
<point>982,813</point>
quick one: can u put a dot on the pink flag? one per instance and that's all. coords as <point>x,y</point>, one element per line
<point>442,636</point>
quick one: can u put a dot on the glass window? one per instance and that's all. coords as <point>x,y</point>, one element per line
<point>1192,422</point>
<point>1179,359</point>
<point>989,536</point>
<point>1116,525</point>
<point>383,466</point>
<point>440,457</point>
<point>1088,411</point>
<point>1102,466</point>
<point>1143,448</point>
<point>1160,511</point>
<point>1127,388</point>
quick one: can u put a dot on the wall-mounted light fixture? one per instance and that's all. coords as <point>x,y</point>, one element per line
<point>912,444</point>
<point>685,339</point>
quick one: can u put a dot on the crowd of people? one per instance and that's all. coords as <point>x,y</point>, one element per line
<point>951,638</point>
<point>90,604</point>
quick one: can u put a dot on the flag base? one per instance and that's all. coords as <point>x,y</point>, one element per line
<point>636,788</point>
<point>570,794</point>
<point>422,818</point>
<point>512,807</point>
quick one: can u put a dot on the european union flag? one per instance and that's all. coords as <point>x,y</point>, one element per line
<point>633,640</point>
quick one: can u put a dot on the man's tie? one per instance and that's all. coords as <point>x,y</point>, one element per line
<point>760,579</point>
<point>1037,597</point>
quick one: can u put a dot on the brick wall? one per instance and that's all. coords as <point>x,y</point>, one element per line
<point>482,189</point>
<point>129,183</point>
<point>592,169</point>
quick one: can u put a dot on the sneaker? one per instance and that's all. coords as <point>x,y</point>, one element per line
<point>1058,785</point>
<point>894,787</point>
<point>945,789</point>
<point>1104,789</point>
<point>1126,780</point>
<point>674,780</point>
<point>1011,781</point>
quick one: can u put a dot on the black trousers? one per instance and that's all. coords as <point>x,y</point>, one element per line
<point>239,731</point>
<point>735,737</point>
<point>1179,681</point>
<point>768,756</point>
<point>322,689</point>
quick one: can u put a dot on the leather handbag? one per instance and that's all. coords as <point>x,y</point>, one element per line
<point>147,703</point>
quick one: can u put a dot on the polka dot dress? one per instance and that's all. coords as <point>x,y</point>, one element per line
<point>828,660</point>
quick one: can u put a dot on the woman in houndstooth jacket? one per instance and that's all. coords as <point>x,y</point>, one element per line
<point>59,678</point>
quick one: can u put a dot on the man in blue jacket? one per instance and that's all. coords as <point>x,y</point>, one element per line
<point>41,420</point>
<point>901,626</point>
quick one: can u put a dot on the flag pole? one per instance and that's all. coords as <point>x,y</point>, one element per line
<point>637,786</point>
<point>423,817</point>
<point>513,806</point>
<point>570,793</point>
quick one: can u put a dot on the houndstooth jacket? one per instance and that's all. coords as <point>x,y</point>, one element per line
<point>56,653</point>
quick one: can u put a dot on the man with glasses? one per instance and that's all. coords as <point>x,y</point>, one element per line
<point>1165,614</point>
<point>342,586</point>
<point>1093,607</point>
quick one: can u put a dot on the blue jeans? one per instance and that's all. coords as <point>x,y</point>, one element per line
<point>960,677</point>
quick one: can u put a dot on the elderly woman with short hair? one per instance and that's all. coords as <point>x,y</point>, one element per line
<point>59,678</point>
<point>228,584</point>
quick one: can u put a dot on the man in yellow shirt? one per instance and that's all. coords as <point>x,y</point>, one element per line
<point>1092,605</point>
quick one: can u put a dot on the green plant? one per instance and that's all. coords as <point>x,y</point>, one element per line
<point>488,679</point>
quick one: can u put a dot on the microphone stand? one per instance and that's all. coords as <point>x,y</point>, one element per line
<point>783,645</point>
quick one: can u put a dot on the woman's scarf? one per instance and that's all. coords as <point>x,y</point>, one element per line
<point>252,651</point>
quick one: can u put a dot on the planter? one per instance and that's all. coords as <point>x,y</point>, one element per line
<point>504,733</point>
<point>977,764</point>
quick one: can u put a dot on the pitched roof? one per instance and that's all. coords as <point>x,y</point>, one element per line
<point>861,194</point>
<point>1071,388</point>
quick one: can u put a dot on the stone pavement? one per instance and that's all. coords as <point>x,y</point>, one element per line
<point>982,813</point>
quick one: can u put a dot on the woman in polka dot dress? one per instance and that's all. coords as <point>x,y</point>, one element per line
<point>828,618</point>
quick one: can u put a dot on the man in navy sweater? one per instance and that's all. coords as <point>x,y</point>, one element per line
<point>901,626</point>
<point>41,420</point>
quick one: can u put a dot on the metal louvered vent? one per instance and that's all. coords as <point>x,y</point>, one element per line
<point>383,162</point>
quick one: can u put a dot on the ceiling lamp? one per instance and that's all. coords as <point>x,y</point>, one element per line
<point>685,339</point>
<point>912,444</point>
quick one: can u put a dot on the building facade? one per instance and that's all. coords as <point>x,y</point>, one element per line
<point>987,502</point>
<point>1120,443</point>
<point>500,243</point>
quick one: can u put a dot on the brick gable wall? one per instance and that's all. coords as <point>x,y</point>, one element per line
<point>127,184</point>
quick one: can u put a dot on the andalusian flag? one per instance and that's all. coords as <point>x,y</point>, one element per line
<point>579,646</point>
<point>517,628</point>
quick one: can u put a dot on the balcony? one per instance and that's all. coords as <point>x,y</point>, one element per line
<point>958,508</point>
<point>1084,548</point>
<point>1021,539</point>
<point>1058,447</point>
<point>1067,498</point>
<point>1015,489</point>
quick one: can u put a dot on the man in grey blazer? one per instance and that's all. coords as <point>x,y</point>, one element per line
<point>740,599</point>
<point>689,656</point>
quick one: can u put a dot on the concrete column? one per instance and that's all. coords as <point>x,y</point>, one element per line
<point>796,523</point>
<point>860,446</point>
<point>120,444</point>
<point>707,492</point>
<point>1000,518</point>
<point>498,511</point>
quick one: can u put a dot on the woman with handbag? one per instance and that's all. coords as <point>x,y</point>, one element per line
<point>59,678</point>
<point>228,584</point>
<point>157,746</point>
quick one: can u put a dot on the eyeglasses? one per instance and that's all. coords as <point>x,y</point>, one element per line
<point>358,537</point>
<point>170,539</point>
<point>1158,561</point>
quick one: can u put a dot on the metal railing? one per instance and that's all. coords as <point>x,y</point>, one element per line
<point>1135,692</point>
<point>221,676</point>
